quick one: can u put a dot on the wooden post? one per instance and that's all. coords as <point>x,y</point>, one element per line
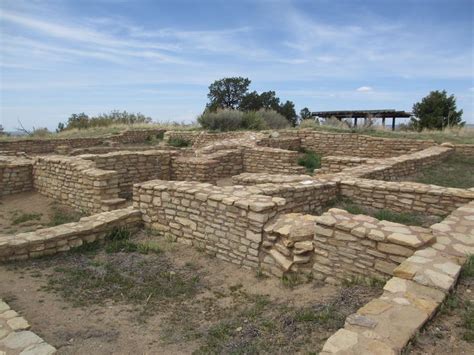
<point>383,122</point>
<point>393,124</point>
<point>355,121</point>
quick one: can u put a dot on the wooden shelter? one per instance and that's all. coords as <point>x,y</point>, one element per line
<point>365,114</point>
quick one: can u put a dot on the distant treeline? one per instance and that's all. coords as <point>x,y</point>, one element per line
<point>83,121</point>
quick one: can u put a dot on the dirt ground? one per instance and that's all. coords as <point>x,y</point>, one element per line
<point>173,300</point>
<point>30,211</point>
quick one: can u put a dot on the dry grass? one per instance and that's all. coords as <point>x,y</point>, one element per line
<point>458,135</point>
<point>106,131</point>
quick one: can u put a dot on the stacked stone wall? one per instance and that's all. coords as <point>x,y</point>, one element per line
<point>209,167</point>
<point>287,143</point>
<point>75,182</point>
<point>62,238</point>
<point>271,160</point>
<point>405,196</point>
<point>219,220</point>
<point>41,146</point>
<point>16,175</point>
<point>133,167</point>
<point>338,246</point>
<point>465,149</point>
<point>202,138</point>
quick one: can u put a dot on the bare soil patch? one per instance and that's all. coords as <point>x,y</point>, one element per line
<point>164,297</point>
<point>29,211</point>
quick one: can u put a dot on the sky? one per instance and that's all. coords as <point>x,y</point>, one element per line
<point>158,57</point>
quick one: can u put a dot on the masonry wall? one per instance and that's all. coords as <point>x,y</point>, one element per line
<point>132,167</point>
<point>202,138</point>
<point>62,238</point>
<point>215,219</point>
<point>354,144</point>
<point>271,160</point>
<point>40,146</point>
<point>16,175</point>
<point>209,167</point>
<point>465,149</point>
<point>287,143</point>
<point>75,182</point>
<point>405,196</point>
<point>338,246</point>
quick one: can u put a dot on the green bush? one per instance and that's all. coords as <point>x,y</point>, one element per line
<point>221,120</point>
<point>253,121</point>
<point>232,120</point>
<point>179,142</point>
<point>310,160</point>
<point>273,119</point>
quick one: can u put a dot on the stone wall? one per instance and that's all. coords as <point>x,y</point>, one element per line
<point>411,298</point>
<point>405,196</point>
<point>132,167</point>
<point>16,175</point>
<point>338,246</point>
<point>61,238</point>
<point>396,168</point>
<point>224,222</point>
<point>202,138</point>
<point>465,149</point>
<point>271,160</point>
<point>209,167</point>
<point>41,146</point>
<point>335,164</point>
<point>354,144</point>
<point>76,183</point>
<point>287,143</point>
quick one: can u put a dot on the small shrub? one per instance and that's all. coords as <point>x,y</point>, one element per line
<point>310,160</point>
<point>468,268</point>
<point>179,142</point>
<point>309,123</point>
<point>62,216</point>
<point>273,120</point>
<point>221,120</point>
<point>253,121</point>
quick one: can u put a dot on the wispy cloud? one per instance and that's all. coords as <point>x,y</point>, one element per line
<point>365,89</point>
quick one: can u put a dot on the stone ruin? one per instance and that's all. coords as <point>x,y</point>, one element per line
<point>241,197</point>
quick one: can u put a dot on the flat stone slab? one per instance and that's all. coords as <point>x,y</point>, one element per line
<point>16,339</point>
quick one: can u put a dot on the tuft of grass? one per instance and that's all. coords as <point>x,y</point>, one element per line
<point>61,216</point>
<point>468,268</point>
<point>179,142</point>
<point>310,160</point>
<point>25,217</point>
<point>374,282</point>
<point>327,316</point>
<point>411,219</point>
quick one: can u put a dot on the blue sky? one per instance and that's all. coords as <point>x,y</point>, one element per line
<point>60,57</point>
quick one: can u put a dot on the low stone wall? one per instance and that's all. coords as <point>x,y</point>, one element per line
<point>333,164</point>
<point>421,283</point>
<point>16,338</point>
<point>76,182</point>
<point>465,149</point>
<point>271,160</point>
<point>338,245</point>
<point>223,221</point>
<point>263,178</point>
<point>353,144</point>
<point>287,143</point>
<point>405,196</point>
<point>132,167</point>
<point>399,167</point>
<point>209,167</point>
<point>202,138</point>
<point>41,146</point>
<point>61,238</point>
<point>16,175</point>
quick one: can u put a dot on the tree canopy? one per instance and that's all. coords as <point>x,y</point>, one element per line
<point>436,111</point>
<point>232,93</point>
<point>305,113</point>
